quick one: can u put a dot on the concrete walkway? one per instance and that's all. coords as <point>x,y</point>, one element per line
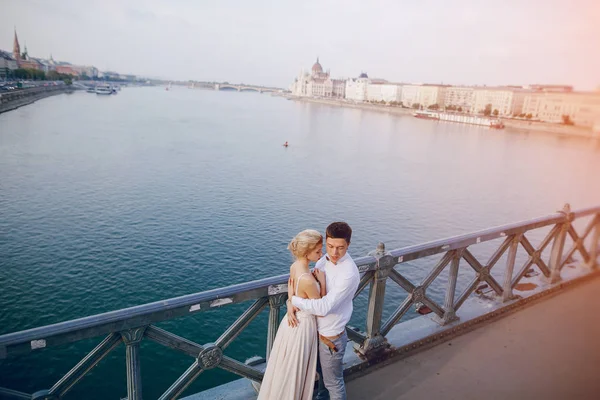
<point>548,351</point>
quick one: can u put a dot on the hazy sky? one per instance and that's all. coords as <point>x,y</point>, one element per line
<point>268,42</point>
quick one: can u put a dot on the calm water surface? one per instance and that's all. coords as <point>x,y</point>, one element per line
<point>109,202</point>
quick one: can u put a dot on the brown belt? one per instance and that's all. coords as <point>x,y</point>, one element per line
<point>327,341</point>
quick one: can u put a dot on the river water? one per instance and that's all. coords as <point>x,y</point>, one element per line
<point>114,201</point>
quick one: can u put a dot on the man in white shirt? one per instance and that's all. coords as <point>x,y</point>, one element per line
<point>333,310</point>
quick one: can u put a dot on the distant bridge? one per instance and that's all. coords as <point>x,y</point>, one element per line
<point>245,88</point>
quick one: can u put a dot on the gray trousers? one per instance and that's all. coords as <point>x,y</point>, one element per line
<point>330,367</point>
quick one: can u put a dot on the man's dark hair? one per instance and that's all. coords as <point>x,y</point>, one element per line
<point>339,230</point>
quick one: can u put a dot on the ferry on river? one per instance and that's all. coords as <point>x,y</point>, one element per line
<point>461,118</point>
<point>104,89</point>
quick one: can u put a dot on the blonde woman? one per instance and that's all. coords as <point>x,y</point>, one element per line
<point>292,364</point>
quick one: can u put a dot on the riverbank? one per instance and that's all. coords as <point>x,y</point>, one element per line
<point>19,98</point>
<point>513,124</point>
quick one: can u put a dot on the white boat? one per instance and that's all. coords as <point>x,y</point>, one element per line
<point>91,89</point>
<point>460,118</point>
<point>104,89</point>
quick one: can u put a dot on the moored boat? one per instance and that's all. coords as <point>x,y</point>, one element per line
<point>104,89</point>
<point>427,115</point>
<point>461,118</point>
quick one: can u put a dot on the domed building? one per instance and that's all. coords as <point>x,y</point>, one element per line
<point>356,88</point>
<point>318,84</point>
<point>317,68</point>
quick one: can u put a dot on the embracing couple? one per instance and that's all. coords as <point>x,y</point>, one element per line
<point>312,339</point>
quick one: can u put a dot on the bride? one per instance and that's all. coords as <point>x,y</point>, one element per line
<point>292,364</point>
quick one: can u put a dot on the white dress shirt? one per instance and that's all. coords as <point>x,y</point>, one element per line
<point>335,308</point>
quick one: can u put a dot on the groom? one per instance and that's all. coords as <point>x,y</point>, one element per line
<point>333,310</point>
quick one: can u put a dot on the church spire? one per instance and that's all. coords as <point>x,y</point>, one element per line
<point>16,47</point>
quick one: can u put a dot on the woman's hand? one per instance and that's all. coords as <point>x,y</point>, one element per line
<point>320,276</point>
<point>290,288</point>
<point>291,314</point>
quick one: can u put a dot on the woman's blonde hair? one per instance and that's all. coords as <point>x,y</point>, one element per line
<point>305,242</point>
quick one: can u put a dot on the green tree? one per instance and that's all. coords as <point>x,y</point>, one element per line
<point>416,106</point>
<point>529,116</point>
<point>27,73</point>
<point>459,109</point>
<point>20,73</point>
<point>38,75</point>
<point>496,112</point>
<point>488,110</point>
<point>433,107</point>
<point>55,76</point>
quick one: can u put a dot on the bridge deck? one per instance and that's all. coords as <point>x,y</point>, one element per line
<point>548,351</point>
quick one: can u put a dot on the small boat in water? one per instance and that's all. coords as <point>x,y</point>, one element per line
<point>104,89</point>
<point>91,89</point>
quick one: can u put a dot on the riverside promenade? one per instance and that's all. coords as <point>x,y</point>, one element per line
<point>19,98</point>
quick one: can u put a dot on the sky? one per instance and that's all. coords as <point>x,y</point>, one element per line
<point>459,42</point>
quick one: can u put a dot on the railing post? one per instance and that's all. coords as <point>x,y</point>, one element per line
<point>132,339</point>
<point>449,311</point>
<point>559,244</point>
<point>507,292</point>
<point>275,303</point>
<point>375,341</point>
<point>595,244</point>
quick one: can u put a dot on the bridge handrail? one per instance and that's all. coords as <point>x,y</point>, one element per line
<point>255,289</point>
<point>131,325</point>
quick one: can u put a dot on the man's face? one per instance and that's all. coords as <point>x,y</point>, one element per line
<point>336,249</point>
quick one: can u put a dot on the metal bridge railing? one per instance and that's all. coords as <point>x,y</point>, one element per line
<point>132,325</point>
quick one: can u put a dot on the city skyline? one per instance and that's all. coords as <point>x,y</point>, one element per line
<point>466,43</point>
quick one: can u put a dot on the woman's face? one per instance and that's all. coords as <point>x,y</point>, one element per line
<point>316,253</point>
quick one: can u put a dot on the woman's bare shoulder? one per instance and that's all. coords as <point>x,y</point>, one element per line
<point>306,279</point>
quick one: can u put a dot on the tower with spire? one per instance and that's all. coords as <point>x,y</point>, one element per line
<point>16,48</point>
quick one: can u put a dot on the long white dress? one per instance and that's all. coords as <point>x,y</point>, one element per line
<point>292,365</point>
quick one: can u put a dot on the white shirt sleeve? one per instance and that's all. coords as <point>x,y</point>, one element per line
<point>343,289</point>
